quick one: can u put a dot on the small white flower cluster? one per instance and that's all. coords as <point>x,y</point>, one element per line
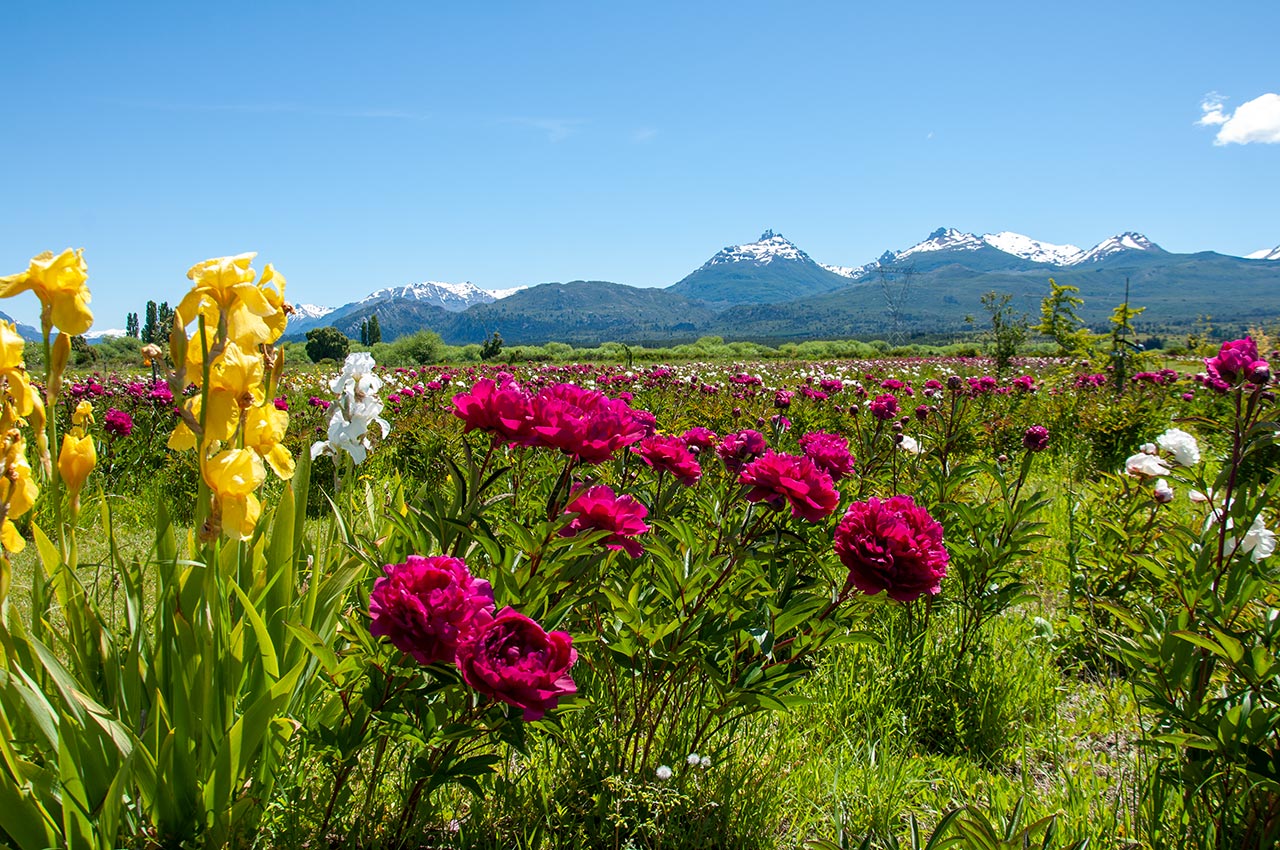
<point>356,407</point>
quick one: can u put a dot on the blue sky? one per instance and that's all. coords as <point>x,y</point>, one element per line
<point>358,146</point>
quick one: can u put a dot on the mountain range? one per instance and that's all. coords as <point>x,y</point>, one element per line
<point>771,290</point>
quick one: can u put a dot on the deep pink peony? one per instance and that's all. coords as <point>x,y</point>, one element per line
<point>700,439</point>
<point>424,605</point>
<point>885,407</point>
<point>1238,361</point>
<point>829,451</point>
<point>511,658</point>
<point>117,423</point>
<point>740,448</point>
<point>779,479</point>
<point>500,410</point>
<point>1036,438</point>
<point>598,508</point>
<point>894,545</point>
<point>586,424</point>
<point>670,454</point>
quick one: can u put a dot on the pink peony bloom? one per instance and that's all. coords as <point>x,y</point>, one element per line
<point>600,509</point>
<point>894,546</point>
<point>829,451</point>
<point>884,407</point>
<point>585,424</point>
<point>280,403</point>
<point>1036,438</point>
<point>424,605</point>
<point>1238,361</point>
<point>782,399</point>
<point>117,423</point>
<point>699,439</point>
<point>511,658</point>
<point>740,448</point>
<point>780,479</point>
<point>669,454</point>
<point>503,411</point>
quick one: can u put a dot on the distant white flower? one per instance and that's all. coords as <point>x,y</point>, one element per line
<point>693,760</point>
<point>663,772</point>
<point>1143,465</point>
<point>1198,497</point>
<point>1183,446</point>
<point>355,409</point>
<point>706,762</point>
<point>1163,493</point>
<point>909,444</point>
<point>1148,448</point>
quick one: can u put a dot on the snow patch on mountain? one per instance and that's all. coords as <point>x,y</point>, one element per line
<point>310,311</point>
<point>1265,254</point>
<point>1128,241</point>
<point>1032,249</point>
<point>454,297</point>
<point>99,335</point>
<point>769,247</point>
<point>499,294</point>
<point>852,272</point>
<point>944,239</point>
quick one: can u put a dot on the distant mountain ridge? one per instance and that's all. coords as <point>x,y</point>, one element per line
<point>772,289</point>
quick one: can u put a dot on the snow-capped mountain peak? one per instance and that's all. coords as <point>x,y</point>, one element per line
<point>310,311</point>
<point>944,239</point>
<point>1265,254</point>
<point>852,272</point>
<point>769,247</point>
<point>454,297</point>
<point>1128,241</point>
<point>1032,249</point>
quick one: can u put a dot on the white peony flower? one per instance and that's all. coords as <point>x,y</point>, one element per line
<point>693,759</point>
<point>1143,465</point>
<point>1163,493</point>
<point>909,444</point>
<point>663,772</point>
<point>1183,446</point>
<point>1259,540</point>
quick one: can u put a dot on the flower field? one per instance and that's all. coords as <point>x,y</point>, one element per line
<point>837,604</point>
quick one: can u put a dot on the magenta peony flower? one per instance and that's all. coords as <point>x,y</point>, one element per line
<point>510,658</point>
<point>895,546</point>
<point>829,451</point>
<point>782,399</point>
<point>424,606</point>
<point>700,439</point>
<point>280,403</point>
<point>117,423</point>
<point>1036,438</point>
<point>670,454</point>
<point>598,508</point>
<point>778,479</point>
<point>740,448</point>
<point>1238,361</point>
<point>502,411</point>
<point>586,424</point>
<point>885,407</point>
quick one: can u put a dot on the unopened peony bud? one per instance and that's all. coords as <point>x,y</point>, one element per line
<point>1163,493</point>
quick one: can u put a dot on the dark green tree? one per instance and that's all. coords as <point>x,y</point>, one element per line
<point>149,326</point>
<point>492,347</point>
<point>375,330</point>
<point>1125,350</point>
<point>364,332</point>
<point>164,324</point>
<point>131,325</point>
<point>327,344</point>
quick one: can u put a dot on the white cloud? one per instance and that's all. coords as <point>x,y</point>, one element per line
<point>1257,120</point>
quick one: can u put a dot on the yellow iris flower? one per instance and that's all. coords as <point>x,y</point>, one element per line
<point>17,490</point>
<point>76,460</point>
<point>254,311</point>
<point>233,476</point>
<point>264,430</point>
<point>59,283</point>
